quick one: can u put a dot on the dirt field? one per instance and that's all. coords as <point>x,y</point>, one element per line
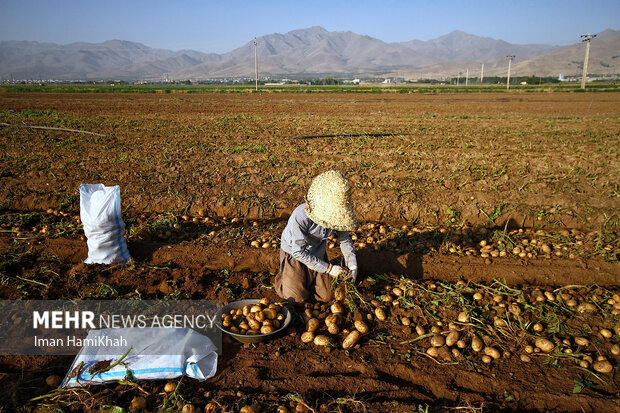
<point>515,196</point>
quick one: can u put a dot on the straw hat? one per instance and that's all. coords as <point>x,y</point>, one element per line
<point>329,201</point>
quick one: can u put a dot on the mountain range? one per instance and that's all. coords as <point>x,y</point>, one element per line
<point>306,53</point>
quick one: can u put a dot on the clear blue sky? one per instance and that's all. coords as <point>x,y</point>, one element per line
<point>220,26</point>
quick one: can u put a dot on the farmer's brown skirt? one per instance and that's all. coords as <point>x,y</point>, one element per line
<point>296,282</point>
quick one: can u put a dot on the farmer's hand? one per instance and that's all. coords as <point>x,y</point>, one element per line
<point>352,274</point>
<point>335,271</point>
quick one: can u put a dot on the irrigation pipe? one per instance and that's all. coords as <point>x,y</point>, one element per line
<point>50,128</point>
<point>352,135</point>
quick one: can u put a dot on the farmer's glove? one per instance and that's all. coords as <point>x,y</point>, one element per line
<point>352,274</point>
<point>336,271</point>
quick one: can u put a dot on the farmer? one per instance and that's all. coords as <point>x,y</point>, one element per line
<point>304,271</point>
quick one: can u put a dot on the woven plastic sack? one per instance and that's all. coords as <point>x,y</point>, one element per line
<point>100,212</point>
<point>154,354</point>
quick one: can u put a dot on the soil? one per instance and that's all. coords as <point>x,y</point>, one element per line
<point>202,176</point>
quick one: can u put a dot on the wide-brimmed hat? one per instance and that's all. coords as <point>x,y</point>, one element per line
<point>329,201</point>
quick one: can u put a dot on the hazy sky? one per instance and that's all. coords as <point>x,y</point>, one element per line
<point>220,26</point>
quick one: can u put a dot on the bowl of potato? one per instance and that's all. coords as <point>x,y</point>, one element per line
<point>253,320</point>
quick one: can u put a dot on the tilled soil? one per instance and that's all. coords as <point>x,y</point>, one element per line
<point>202,176</point>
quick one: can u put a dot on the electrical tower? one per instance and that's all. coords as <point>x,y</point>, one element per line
<point>509,65</point>
<point>586,38</point>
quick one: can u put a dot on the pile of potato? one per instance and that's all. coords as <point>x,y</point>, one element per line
<point>332,318</point>
<point>262,318</point>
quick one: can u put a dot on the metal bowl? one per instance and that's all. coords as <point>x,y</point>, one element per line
<point>247,338</point>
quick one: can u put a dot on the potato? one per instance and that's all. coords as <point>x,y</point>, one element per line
<point>432,351</point>
<point>337,308</point>
<point>244,325</point>
<point>544,344</point>
<point>276,324</point>
<point>280,317</point>
<point>339,294</point>
<point>270,313</point>
<point>266,329</point>
<point>361,326</point>
<point>438,340</point>
<point>476,344</point>
<point>603,366</point>
<point>254,325</point>
<point>452,338</point>
<point>538,327</point>
<point>380,314</point>
<point>486,359</point>
<point>605,333</point>
<point>463,317</point>
<point>189,408</point>
<point>312,325</point>
<point>397,292</point>
<point>53,381</point>
<point>137,404</point>
<point>492,352</point>
<point>333,329</point>
<point>255,308</point>
<point>582,341</point>
<point>420,330</point>
<point>307,337</point>
<point>321,340</point>
<point>259,316</point>
<point>586,307</point>
<point>332,319</point>
<point>351,339</point>
<point>615,350</point>
<point>264,301</point>
<point>169,387</point>
<point>250,408</point>
<point>525,358</point>
<point>405,321</point>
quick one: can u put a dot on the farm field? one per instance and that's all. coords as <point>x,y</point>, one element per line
<point>512,196</point>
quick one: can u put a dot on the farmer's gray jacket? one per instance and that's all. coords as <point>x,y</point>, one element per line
<point>306,241</point>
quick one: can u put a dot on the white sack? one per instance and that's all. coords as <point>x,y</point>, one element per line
<point>100,212</point>
<point>157,353</point>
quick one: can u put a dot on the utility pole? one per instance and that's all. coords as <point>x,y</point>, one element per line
<point>482,74</point>
<point>255,65</point>
<point>586,38</point>
<point>467,77</point>
<point>509,64</point>
<point>458,78</point>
